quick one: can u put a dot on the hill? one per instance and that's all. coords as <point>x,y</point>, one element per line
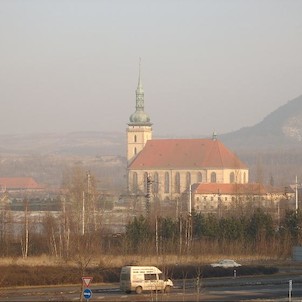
<point>280,129</point>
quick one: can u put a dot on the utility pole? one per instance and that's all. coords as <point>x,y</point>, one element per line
<point>90,200</point>
<point>26,231</point>
<point>296,194</point>
<point>148,195</point>
<point>156,235</point>
<point>83,214</point>
<point>189,220</point>
<point>180,234</point>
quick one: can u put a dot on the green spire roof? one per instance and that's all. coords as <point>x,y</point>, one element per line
<point>139,117</point>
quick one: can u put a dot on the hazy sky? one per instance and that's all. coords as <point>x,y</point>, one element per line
<point>72,65</point>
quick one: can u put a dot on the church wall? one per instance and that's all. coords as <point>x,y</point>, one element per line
<point>222,176</point>
<point>238,176</point>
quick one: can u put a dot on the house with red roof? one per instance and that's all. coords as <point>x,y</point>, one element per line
<point>174,164</point>
<point>17,184</point>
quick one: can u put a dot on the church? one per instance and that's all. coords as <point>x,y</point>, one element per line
<point>174,165</point>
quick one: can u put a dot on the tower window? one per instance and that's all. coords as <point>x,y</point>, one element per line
<point>134,182</point>
<point>199,177</point>
<point>213,177</point>
<point>135,138</point>
<point>167,183</point>
<point>155,183</point>
<point>177,183</point>
<point>232,177</point>
<point>135,151</point>
<point>188,179</point>
<point>145,181</point>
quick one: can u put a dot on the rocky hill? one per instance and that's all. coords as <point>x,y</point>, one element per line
<point>280,129</point>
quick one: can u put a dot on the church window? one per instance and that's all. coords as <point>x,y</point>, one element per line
<point>167,183</point>
<point>134,182</point>
<point>232,177</point>
<point>199,177</point>
<point>135,138</point>
<point>155,183</point>
<point>135,151</point>
<point>188,179</point>
<point>213,177</point>
<point>145,181</point>
<point>177,183</point>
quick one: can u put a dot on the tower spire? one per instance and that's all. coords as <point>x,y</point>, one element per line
<point>139,73</point>
<point>139,91</point>
<point>139,116</point>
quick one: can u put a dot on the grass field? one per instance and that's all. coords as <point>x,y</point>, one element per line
<point>108,261</point>
<point>46,270</point>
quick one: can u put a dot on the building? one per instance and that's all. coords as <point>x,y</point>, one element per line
<point>208,197</point>
<point>174,164</point>
<point>19,184</point>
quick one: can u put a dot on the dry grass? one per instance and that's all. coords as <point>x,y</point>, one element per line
<point>108,261</point>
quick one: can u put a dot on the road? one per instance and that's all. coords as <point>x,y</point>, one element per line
<point>216,289</point>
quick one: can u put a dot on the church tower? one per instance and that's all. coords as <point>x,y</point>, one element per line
<point>139,129</point>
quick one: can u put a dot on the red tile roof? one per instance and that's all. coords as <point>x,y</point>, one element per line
<point>15,183</point>
<point>229,189</point>
<point>185,154</point>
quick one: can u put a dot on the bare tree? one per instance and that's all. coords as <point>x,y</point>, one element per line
<point>25,236</point>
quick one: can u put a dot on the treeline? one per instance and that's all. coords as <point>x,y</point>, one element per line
<point>250,233</point>
<point>199,234</point>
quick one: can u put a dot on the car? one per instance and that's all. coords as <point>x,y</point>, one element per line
<point>226,263</point>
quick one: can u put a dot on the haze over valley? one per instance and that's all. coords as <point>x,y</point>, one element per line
<point>273,145</point>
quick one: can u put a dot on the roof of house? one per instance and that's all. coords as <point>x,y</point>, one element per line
<point>230,189</point>
<point>185,154</point>
<point>15,183</point>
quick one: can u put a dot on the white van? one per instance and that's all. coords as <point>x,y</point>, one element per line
<point>141,278</point>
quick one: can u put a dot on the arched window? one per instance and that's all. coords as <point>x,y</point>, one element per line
<point>199,177</point>
<point>167,182</point>
<point>135,138</point>
<point>155,183</point>
<point>145,182</point>
<point>135,151</point>
<point>213,177</point>
<point>188,179</point>
<point>232,177</point>
<point>134,182</point>
<point>177,183</point>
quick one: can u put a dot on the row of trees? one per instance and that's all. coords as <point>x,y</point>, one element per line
<point>255,232</point>
<point>62,236</point>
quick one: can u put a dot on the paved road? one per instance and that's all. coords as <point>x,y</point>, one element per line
<point>216,289</point>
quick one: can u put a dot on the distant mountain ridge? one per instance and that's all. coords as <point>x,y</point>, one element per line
<point>90,143</point>
<point>280,129</point>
